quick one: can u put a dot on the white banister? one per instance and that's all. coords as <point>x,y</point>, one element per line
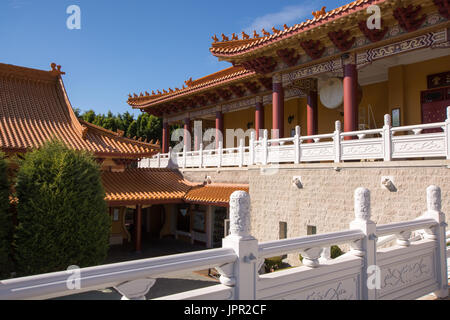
<point>437,233</point>
<point>241,153</point>
<point>447,133</point>
<point>220,154</point>
<point>337,142</point>
<point>365,248</point>
<point>387,138</point>
<point>422,264</point>
<point>252,149</point>
<point>244,245</point>
<point>297,145</point>
<point>265,147</point>
<point>201,156</point>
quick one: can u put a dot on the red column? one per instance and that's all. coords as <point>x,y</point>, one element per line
<point>219,127</point>
<point>278,107</point>
<point>187,134</point>
<point>350,99</point>
<point>138,227</point>
<point>165,138</point>
<point>259,117</point>
<point>311,114</point>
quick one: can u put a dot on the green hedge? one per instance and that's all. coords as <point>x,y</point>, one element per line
<point>62,215</point>
<point>5,222</point>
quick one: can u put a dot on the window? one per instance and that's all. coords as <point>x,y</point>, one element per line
<point>283,230</point>
<point>311,230</point>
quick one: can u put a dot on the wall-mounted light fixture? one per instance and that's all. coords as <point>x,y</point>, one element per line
<point>290,119</point>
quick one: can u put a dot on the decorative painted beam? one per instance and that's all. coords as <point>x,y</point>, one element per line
<point>261,65</point>
<point>252,86</point>
<point>238,90</point>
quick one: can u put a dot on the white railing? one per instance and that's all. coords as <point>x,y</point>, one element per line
<point>407,270</point>
<point>376,144</point>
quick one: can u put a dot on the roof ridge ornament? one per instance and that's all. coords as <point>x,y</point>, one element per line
<point>56,69</point>
<point>320,13</point>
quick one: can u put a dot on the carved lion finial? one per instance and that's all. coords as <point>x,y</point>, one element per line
<point>240,214</point>
<point>264,32</point>
<point>255,34</point>
<point>245,36</point>
<point>215,39</point>
<point>321,12</point>
<point>285,27</point>
<point>225,38</point>
<point>189,82</point>
<point>234,36</point>
<point>274,30</point>
<point>362,204</point>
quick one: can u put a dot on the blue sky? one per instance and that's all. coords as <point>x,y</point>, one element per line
<point>133,45</point>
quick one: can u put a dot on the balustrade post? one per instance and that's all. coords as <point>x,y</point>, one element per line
<point>337,142</point>
<point>447,134</point>
<point>437,233</point>
<point>245,246</point>
<point>387,138</point>
<point>219,154</point>
<point>184,157</point>
<point>241,153</point>
<point>365,248</point>
<point>265,147</point>
<point>252,149</point>
<point>170,163</point>
<point>201,155</point>
<point>159,160</point>
<point>297,145</point>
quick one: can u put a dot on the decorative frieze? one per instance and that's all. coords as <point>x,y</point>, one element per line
<point>423,41</point>
<point>327,66</point>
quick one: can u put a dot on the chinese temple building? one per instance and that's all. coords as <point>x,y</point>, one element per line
<point>34,108</point>
<point>335,66</point>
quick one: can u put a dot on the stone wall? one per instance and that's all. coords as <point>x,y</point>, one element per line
<point>325,200</point>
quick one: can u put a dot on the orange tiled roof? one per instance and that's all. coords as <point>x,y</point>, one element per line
<point>34,108</point>
<point>163,185</point>
<point>216,194</point>
<point>235,48</point>
<point>137,185</point>
<point>212,80</point>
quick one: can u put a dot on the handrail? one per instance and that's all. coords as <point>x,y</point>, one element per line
<point>419,126</point>
<point>393,228</point>
<point>93,278</point>
<point>355,133</point>
<point>279,247</point>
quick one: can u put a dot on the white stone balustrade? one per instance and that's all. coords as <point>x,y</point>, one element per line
<point>410,269</point>
<point>374,144</point>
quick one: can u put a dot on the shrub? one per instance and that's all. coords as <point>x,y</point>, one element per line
<point>272,264</point>
<point>61,214</point>
<point>5,221</point>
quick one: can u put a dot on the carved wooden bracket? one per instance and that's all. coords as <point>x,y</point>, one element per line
<point>224,93</point>
<point>212,97</point>
<point>443,7</point>
<point>266,83</point>
<point>238,90</point>
<point>289,56</point>
<point>313,49</point>
<point>373,35</point>
<point>341,39</point>
<point>252,86</point>
<point>261,65</point>
<point>408,17</point>
<point>200,100</point>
